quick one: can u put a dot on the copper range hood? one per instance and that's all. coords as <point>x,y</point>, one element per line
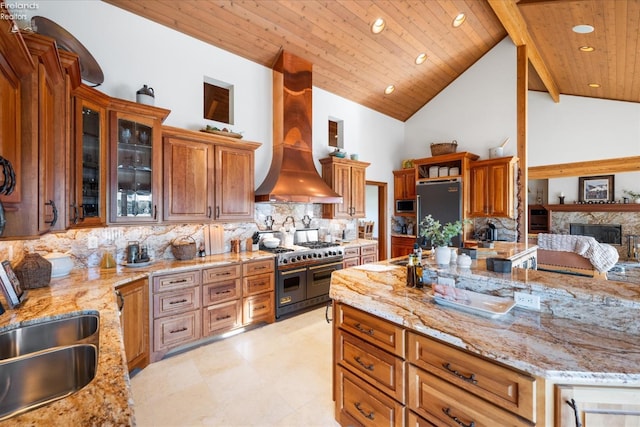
<point>293,176</point>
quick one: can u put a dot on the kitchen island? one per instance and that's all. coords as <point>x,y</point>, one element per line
<point>586,335</point>
<point>107,399</point>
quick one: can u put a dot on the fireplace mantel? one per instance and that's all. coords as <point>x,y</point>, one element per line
<point>594,207</point>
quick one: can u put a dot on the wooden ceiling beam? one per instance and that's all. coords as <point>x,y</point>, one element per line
<point>510,17</point>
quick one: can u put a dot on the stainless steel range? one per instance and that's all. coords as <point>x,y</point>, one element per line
<point>303,275</point>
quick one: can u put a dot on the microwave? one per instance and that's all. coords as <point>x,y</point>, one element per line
<point>405,206</point>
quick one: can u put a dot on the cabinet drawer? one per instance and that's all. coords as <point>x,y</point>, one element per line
<point>258,267</point>
<point>369,258</point>
<point>169,332</point>
<point>221,317</point>
<point>498,384</point>
<point>445,404</point>
<point>257,284</point>
<point>169,282</point>
<point>214,293</point>
<point>167,303</point>
<point>368,250</point>
<point>216,274</point>
<point>258,308</point>
<point>415,421</point>
<point>351,252</point>
<point>350,262</point>
<point>372,329</point>
<point>359,403</point>
<point>377,367</point>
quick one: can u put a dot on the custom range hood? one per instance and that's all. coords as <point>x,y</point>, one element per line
<point>293,176</point>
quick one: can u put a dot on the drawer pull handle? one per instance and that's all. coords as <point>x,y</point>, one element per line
<point>260,307</point>
<point>574,406</point>
<point>223,317</point>
<point>470,379</point>
<point>456,419</point>
<point>223,274</point>
<point>367,367</point>
<point>178,302</point>
<point>173,282</point>
<point>361,329</point>
<point>228,291</point>
<point>175,331</point>
<point>370,415</point>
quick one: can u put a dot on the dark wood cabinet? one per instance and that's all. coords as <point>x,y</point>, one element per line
<point>538,219</point>
<point>402,245</point>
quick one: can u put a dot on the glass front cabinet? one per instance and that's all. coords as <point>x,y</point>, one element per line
<point>89,155</point>
<point>136,162</point>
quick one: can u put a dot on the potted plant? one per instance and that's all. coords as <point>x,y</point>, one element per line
<point>633,195</point>
<point>440,236</point>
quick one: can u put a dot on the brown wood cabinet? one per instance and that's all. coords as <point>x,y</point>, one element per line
<point>221,299</point>
<point>493,187</point>
<point>258,291</point>
<point>134,320</point>
<point>404,184</point>
<point>135,162</point>
<point>597,406</point>
<point>358,255</point>
<point>347,178</point>
<point>402,245</point>
<point>36,207</point>
<point>207,177</point>
<point>369,369</point>
<point>88,159</point>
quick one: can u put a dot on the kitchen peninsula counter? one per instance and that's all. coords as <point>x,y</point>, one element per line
<point>107,399</point>
<point>568,340</point>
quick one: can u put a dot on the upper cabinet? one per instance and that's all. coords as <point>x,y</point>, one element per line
<point>347,178</point>
<point>404,184</point>
<point>135,162</point>
<point>493,187</point>
<point>207,177</point>
<point>88,173</point>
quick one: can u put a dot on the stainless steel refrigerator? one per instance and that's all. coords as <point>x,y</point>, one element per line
<point>441,199</point>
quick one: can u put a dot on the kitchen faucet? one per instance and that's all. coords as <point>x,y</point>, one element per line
<point>293,221</point>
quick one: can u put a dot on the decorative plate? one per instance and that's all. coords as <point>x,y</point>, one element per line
<point>476,303</point>
<point>138,264</point>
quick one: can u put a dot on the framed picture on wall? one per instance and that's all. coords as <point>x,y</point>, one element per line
<point>13,292</point>
<point>596,189</point>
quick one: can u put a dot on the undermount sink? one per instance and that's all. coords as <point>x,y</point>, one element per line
<point>30,381</point>
<point>79,328</point>
<point>47,360</point>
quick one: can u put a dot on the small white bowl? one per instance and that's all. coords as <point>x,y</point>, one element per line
<point>61,264</point>
<point>271,242</point>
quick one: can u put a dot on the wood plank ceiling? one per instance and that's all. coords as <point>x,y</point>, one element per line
<point>352,62</point>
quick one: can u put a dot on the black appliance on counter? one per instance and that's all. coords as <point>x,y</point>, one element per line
<point>303,275</point>
<point>443,201</point>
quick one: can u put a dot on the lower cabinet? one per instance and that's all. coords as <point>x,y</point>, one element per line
<point>590,406</point>
<point>191,305</point>
<point>402,245</point>
<point>134,319</point>
<point>358,255</point>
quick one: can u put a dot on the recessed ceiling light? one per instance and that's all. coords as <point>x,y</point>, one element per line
<point>587,48</point>
<point>378,25</point>
<point>583,29</point>
<point>389,89</point>
<point>459,20</point>
<point>594,85</point>
<point>421,58</point>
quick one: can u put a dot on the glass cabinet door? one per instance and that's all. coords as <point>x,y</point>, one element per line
<point>134,193</point>
<point>91,163</point>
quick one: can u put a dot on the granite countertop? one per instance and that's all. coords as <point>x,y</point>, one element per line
<point>586,330</point>
<point>107,399</point>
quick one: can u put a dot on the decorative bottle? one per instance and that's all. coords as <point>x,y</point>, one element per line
<point>411,271</point>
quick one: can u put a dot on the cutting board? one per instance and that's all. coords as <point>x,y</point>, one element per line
<point>216,239</point>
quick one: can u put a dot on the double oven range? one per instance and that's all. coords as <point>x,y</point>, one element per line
<point>303,275</point>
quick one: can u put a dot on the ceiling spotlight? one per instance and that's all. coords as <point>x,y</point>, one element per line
<point>587,48</point>
<point>421,58</point>
<point>459,20</point>
<point>594,85</point>
<point>583,29</point>
<point>378,25</point>
<point>389,89</point>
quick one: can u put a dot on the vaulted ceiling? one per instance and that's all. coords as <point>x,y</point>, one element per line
<point>352,62</point>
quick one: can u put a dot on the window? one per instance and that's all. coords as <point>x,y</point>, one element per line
<point>218,101</point>
<point>336,131</point>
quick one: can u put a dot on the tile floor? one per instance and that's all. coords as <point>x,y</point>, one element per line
<point>275,375</point>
